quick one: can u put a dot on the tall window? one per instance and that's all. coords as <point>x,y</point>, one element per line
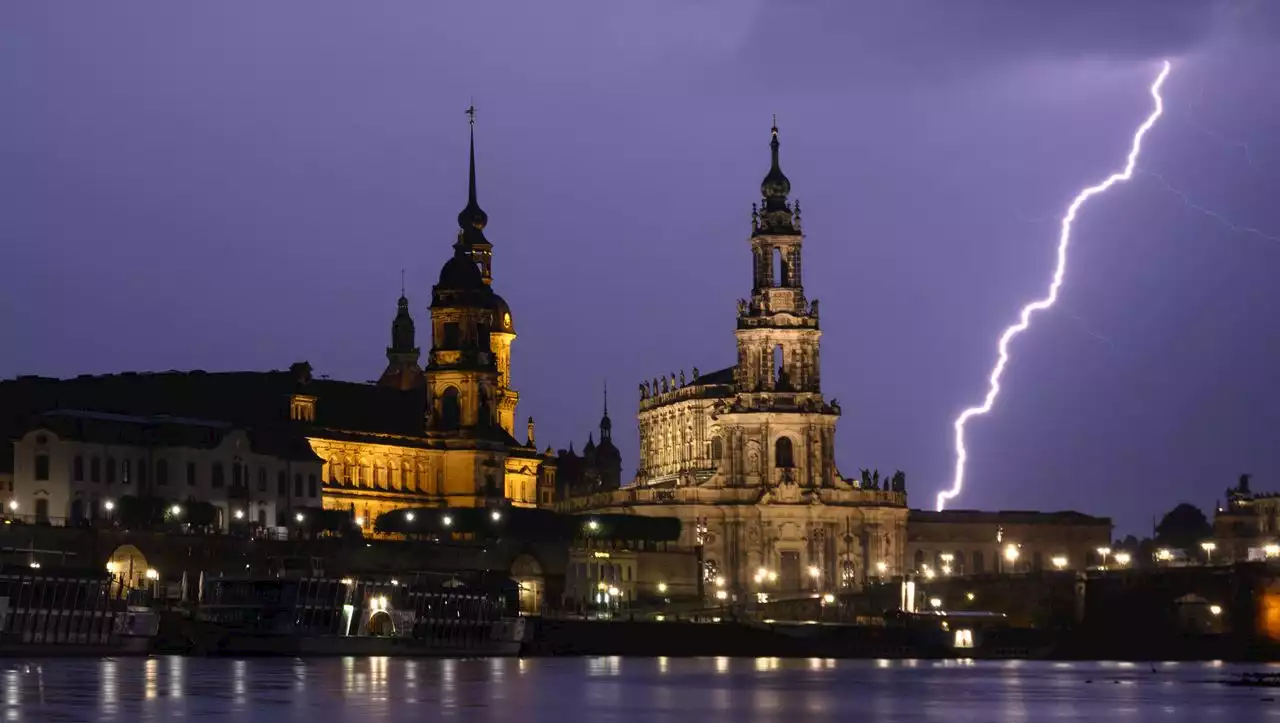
<point>77,468</point>
<point>42,468</point>
<point>262,479</point>
<point>452,335</point>
<point>124,471</point>
<point>450,409</point>
<point>782,453</point>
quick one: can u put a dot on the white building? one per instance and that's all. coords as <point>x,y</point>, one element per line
<point>745,456</point>
<point>71,467</point>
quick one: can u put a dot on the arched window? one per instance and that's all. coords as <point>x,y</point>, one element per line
<point>782,453</point>
<point>450,409</point>
<point>717,449</point>
<point>779,268</point>
<point>919,561</point>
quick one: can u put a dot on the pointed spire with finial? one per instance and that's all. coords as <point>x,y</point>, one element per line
<point>472,216</point>
<point>606,425</point>
<point>775,213</point>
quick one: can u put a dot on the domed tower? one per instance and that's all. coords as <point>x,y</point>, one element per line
<point>778,328</point>
<point>402,371</point>
<point>461,374</point>
<point>608,459</point>
<point>472,221</point>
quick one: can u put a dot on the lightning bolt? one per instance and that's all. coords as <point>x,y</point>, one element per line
<point>1024,322</point>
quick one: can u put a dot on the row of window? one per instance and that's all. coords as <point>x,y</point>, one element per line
<point>110,469</point>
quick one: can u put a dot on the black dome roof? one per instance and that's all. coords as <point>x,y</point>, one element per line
<point>459,273</point>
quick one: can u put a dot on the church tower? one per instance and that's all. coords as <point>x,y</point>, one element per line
<point>461,374</point>
<point>471,224</point>
<point>402,371</point>
<point>778,327</point>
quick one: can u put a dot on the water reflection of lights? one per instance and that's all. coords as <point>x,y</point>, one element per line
<point>149,671</point>
<point>239,683</point>
<point>766,664</point>
<point>448,682</point>
<point>299,676</point>
<point>722,665</point>
<point>176,675</point>
<point>12,689</point>
<point>497,671</point>
<point>662,665</point>
<point>378,680</point>
<point>107,692</point>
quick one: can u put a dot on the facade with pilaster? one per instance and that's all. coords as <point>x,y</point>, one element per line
<point>745,456</point>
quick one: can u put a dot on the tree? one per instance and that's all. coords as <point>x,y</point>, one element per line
<point>1183,528</point>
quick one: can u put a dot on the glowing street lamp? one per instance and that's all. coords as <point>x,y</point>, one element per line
<point>176,510</point>
<point>722,595</point>
<point>593,525</point>
<point>1208,546</point>
<point>298,517</point>
<point>359,522</point>
<point>1103,552</point>
<point>1164,554</point>
<point>239,514</point>
<point>108,505</point>
<point>1060,562</point>
<point>408,516</point>
<point>882,567</point>
<point>662,588</point>
<point>1271,550</point>
<point>495,515</point>
<point>814,572</point>
<point>1122,558</point>
<point>13,505</point>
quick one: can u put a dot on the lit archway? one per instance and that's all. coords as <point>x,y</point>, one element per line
<point>128,565</point>
<point>527,574</point>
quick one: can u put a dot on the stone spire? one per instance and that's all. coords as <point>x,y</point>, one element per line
<point>775,213</point>
<point>606,425</point>
<point>402,370</point>
<point>472,219</point>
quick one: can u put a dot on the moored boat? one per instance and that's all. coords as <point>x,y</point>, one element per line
<point>321,616</point>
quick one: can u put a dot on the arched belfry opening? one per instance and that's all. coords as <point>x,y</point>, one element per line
<point>450,409</point>
<point>782,453</point>
<point>779,267</point>
<point>779,365</point>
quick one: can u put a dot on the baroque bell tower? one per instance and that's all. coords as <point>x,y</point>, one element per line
<point>778,335</point>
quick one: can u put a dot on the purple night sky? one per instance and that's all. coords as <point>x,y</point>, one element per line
<point>237,185</point>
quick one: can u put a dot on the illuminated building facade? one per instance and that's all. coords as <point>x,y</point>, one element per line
<point>745,456</point>
<point>1246,527</point>
<point>973,542</point>
<point>439,434</point>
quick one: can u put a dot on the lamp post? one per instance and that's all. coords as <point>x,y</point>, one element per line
<point>1208,546</point>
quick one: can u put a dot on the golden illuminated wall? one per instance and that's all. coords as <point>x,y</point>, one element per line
<point>372,479</point>
<point>507,397</point>
<point>521,483</point>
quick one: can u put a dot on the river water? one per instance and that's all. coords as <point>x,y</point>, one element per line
<point>602,690</point>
